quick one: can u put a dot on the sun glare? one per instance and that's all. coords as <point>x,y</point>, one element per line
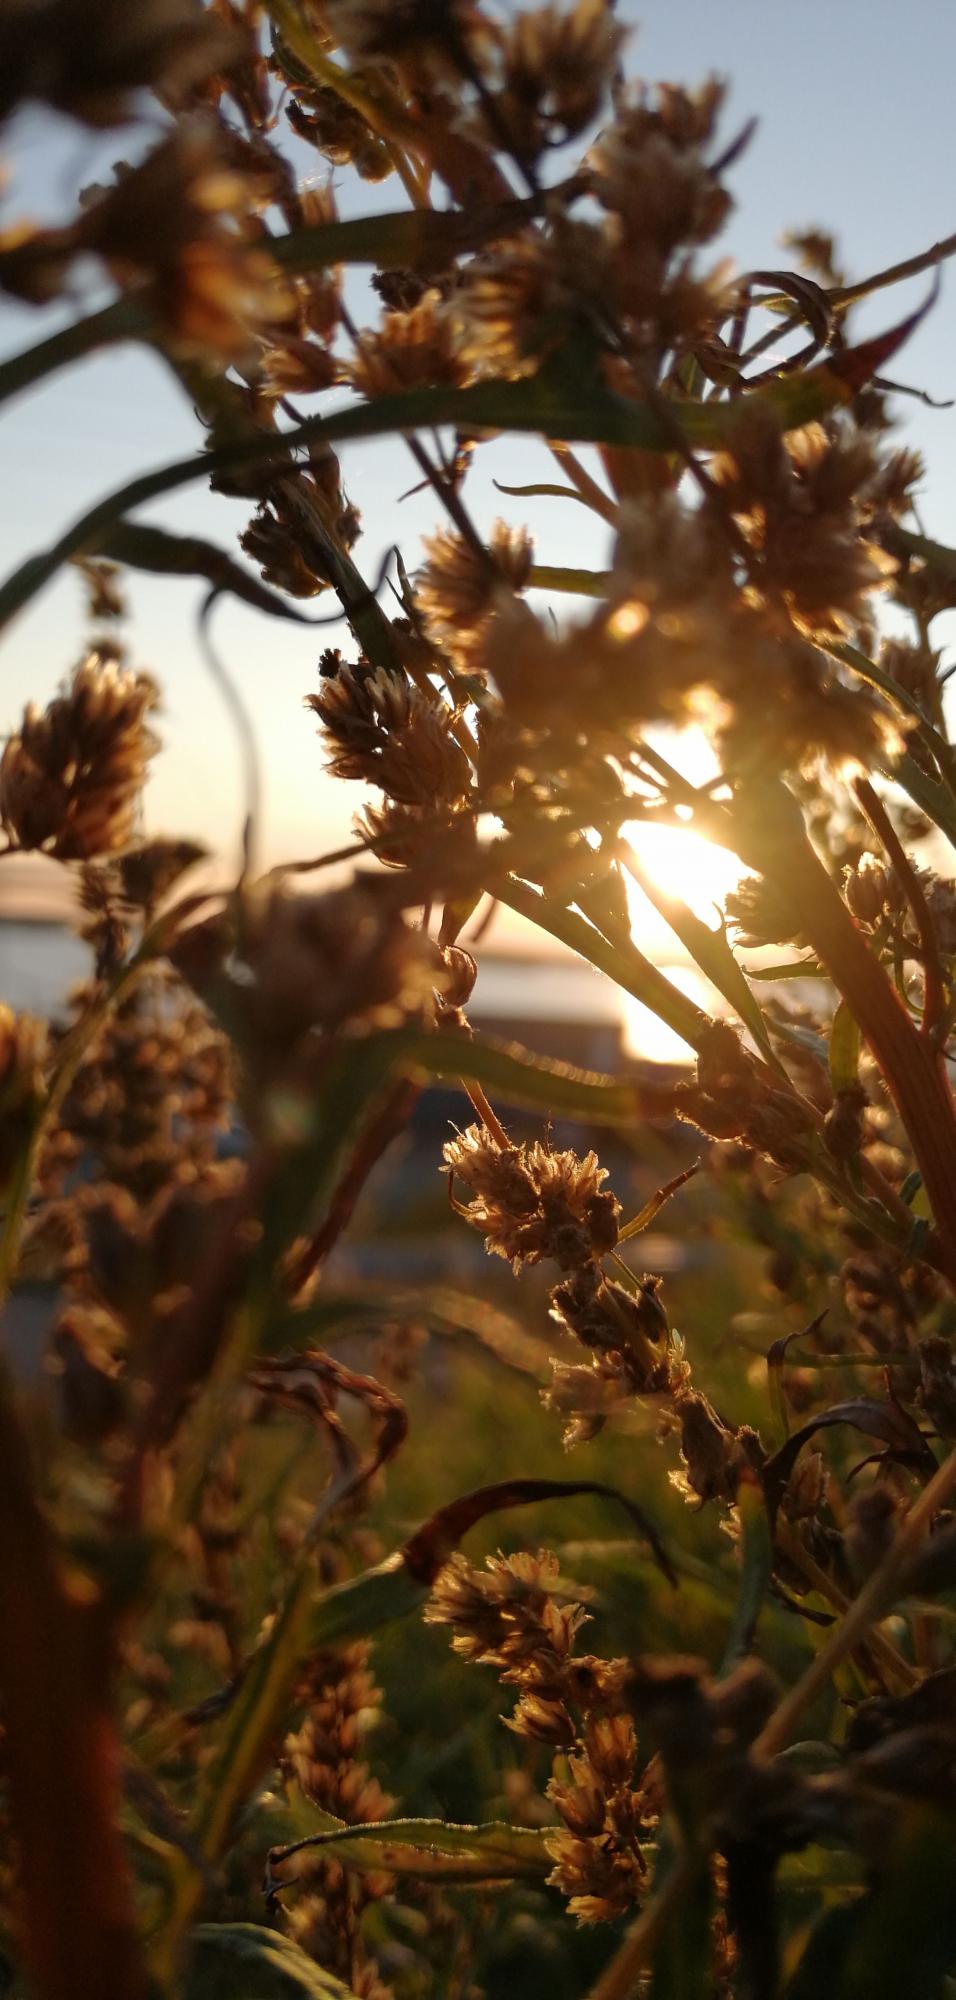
<point>687,866</point>
<point>683,864</point>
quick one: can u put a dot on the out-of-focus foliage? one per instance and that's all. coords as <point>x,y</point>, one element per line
<point>704,1743</point>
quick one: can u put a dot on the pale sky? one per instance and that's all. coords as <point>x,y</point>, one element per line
<point>855,132</point>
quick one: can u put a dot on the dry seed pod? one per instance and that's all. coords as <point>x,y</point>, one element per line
<point>866,889</point>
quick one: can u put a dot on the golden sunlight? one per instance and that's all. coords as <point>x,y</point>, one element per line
<point>684,865</point>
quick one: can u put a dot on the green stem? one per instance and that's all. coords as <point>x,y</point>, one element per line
<point>626,965</point>
<point>564,401</point>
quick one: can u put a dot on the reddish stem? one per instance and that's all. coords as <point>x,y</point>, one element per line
<point>934,998</point>
<point>61,1757</point>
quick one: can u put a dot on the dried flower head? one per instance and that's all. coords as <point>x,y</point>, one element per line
<point>801,502</point>
<point>555,65</point>
<point>178,224</point>
<point>509,1615</point>
<point>320,964</point>
<point>342,1704</point>
<point>513,1615</point>
<point>714,1456</point>
<point>532,1203</point>
<point>758,912</point>
<point>71,776</point>
<point>520,301</point>
<point>414,349</point>
<point>378,727</point>
<point>459,583</point>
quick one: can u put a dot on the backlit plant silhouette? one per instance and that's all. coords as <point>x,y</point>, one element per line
<point>187,1600</point>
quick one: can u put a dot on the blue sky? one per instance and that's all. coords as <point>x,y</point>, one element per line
<point>855,132</point>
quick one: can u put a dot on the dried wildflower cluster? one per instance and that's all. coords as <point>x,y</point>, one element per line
<point>188,1584</point>
<point>518,1616</point>
<point>532,1203</point>
<point>71,777</point>
<point>340,1703</point>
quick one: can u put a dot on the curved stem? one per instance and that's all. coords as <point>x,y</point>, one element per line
<point>123,319</point>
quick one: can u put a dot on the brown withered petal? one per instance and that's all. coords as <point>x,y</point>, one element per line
<point>544,1721</point>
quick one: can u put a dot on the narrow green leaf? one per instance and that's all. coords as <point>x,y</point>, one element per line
<point>428,1849</point>
<point>756,1565</point>
<point>825,1953</point>
<point>934,799</point>
<point>416,239</point>
<point>622,962</point>
<point>123,319</point>
<point>795,968</point>
<point>444,1311</point>
<point>936,557</point>
<point>900,1938</point>
<point>520,1078</point>
<point>652,1208</point>
<point>565,401</point>
<point>249,1962</point>
<point>155,550</point>
<point>711,952</point>
<point>844,1049</point>
<point>575,582</point>
<point>544,490</point>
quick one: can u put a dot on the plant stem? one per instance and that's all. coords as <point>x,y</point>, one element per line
<point>61,1757</point>
<point>934,1000</point>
